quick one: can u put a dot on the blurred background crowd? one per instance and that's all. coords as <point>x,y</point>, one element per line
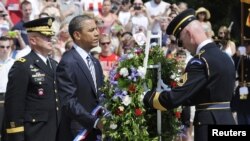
<point>122,25</point>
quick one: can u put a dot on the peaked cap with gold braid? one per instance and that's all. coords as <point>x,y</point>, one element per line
<point>41,25</point>
<point>180,22</point>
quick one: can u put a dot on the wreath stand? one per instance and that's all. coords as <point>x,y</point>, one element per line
<point>160,85</point>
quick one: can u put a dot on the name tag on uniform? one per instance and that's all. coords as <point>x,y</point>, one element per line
<point>243,92</point>
<point>39,79</point>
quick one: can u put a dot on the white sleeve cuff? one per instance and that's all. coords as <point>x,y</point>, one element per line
<point>96,123</point>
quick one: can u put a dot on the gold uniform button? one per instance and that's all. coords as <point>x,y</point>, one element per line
<point>54,82</point>
<point>55,90</point>
<point>33,120</point>
<point>57,108</point>
<point>56,100</point>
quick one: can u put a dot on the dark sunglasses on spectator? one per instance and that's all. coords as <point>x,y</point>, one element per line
<point>105,43</point>
<point>125,2</point>
<point>5,47</point>
<point>139,4</point>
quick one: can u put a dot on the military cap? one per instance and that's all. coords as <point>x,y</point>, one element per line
<point>180,21</point>
<point>41,25</point>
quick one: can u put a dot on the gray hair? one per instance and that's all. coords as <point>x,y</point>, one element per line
<point>77,23</point>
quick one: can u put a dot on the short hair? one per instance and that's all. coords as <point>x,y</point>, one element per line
<point>25,2</point>
<point>67,45</point>
<point>127,32</point>
<point>103,36</point>
<point>181,52</point>
<point>4,38</point>
<point>76,23</point>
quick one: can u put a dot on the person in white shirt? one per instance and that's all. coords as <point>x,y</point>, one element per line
<point>5,62</point>
<point>155,9</point>
<point>139,20</point>
<point>124,13</point>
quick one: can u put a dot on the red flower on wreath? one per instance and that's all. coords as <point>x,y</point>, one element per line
<point>173,84</point>
<point>138,112</point>
<point>132,88</point>
<point>117,76</point>
<point>178,115</point>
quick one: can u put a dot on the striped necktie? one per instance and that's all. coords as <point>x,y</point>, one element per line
<point>91,69</point>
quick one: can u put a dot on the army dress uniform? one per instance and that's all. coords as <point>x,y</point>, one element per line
<point>241,100</point>
<point>208,84</point>
<point>31,102</point>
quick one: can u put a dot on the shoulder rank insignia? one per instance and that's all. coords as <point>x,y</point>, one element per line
<point>21,60</point>
<point>197,61</point>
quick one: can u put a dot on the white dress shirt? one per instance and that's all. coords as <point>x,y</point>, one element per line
<point>5,67</point>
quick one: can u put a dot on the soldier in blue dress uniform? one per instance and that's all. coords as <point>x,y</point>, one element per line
<point>31,101</point>
<point>241,100</point>
<point>208,81</point>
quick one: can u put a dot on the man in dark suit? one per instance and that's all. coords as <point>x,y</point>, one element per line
<point>208,81</point>
<point>31,100</point>
<point>79,77</point>
<point>241,100</point>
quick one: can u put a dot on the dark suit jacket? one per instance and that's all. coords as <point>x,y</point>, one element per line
<point>77,95</point>
<point>31,101</point>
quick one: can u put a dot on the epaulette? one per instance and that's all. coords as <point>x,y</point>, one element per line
<point>199,54</point>
<point>201,60</point>
<point>21,60</point>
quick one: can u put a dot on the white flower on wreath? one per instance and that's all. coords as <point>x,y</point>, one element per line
<point>115,97</point>
<point>123,72</point>
<point>173,76</point>
<point>153,44</point>
<point>130,56</point>
<point>141,71</point>
<point>126,100</point>
<point>121,108</point>
<point>177,79</point>
<point>141,96</point>
<point>113,126</point>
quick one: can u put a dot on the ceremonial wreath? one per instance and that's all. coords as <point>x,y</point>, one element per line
<point>124,91</point>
